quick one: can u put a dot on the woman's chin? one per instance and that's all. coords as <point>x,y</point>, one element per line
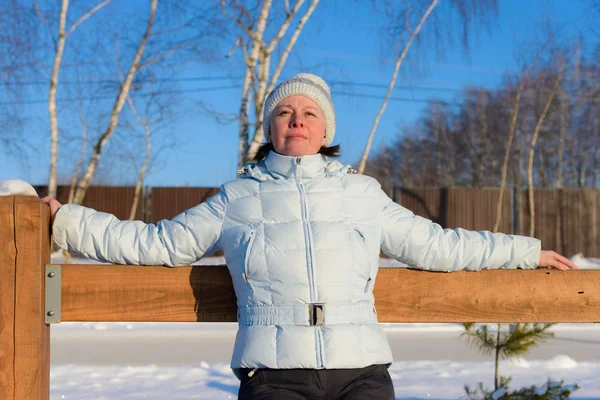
<point>297,150</point>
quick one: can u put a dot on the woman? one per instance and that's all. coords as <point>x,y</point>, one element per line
<point>301,237</point>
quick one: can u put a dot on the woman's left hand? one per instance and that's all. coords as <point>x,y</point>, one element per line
<point>551,259</point>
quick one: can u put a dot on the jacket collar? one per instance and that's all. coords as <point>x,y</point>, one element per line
<point>304,167</point>
<point>278,167</point>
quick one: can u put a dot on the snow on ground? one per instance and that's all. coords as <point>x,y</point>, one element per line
<point>416,379</point>
<point>431,377</point>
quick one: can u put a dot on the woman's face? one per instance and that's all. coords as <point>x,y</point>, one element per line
<point>297,127</point>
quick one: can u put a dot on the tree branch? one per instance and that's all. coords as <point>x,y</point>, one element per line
<point>87,15</point>
<point>238,21</point>
<point>40,14</point>
<point>245,51</point>
<point>290,45</point>
<point>155,59</point>
<point>235,45</point>
<point>117,107</point>
<point>363,161</point>
<point>222,118</point>
<point>288,19</point>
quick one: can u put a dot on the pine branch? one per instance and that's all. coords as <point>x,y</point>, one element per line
<point>524,337</point>
<point>480,338</point>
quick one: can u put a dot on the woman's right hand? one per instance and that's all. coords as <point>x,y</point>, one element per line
<point>54,206</point>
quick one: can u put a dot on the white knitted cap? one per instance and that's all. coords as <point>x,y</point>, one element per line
<point>307,85</point>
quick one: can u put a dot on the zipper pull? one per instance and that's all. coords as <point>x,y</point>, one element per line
<point>251,373</point>
<point>298,162</point>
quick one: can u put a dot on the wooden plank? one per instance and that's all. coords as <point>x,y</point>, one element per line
<point>32,335</point>
<point>488,296</point>
<point>186,294</point>
<point>8,254</point>
<point>137,293</point>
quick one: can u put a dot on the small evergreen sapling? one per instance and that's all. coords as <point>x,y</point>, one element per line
<point>506,343</point>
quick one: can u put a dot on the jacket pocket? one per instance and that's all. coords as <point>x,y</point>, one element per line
<point>252,237</point>
<point>367,257</point>
<point>369,285</point>
<point>370,265</point>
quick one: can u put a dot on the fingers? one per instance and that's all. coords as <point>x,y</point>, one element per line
<point>565,261</point>
<point>558,265</point>
<point>557,261</point>
<point>53,203</point>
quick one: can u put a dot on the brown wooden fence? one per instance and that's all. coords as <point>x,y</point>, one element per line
<point>168,202</point>
<point>32,291</point>
<point>567,220</point>
<point>473,209</point>
<point>116,200</point>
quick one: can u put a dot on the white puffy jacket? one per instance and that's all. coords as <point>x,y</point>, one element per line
<point>301,238</point>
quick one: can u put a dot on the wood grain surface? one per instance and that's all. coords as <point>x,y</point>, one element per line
<point>204,293</point>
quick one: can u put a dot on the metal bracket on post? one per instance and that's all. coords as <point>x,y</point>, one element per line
<point>53,294</point>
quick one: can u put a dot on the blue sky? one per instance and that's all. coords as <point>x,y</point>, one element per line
<point>347,48</point>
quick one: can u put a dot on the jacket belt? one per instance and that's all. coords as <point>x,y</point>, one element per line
<point>307,314</point>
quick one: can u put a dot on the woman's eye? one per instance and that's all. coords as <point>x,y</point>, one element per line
<point>310,113</point>
<point>283,112</point>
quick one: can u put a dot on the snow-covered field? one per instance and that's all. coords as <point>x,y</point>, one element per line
<point>191,361</point>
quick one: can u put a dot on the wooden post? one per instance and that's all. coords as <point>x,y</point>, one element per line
<point>7,296</point>
<point>24,337</point>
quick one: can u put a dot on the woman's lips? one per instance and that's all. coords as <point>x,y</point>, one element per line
<point>296,137</point>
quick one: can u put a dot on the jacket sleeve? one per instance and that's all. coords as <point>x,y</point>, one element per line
<point>423,244</point>
<point>103,237</point>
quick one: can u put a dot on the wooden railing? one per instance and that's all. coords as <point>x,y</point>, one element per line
<point>159,294</point>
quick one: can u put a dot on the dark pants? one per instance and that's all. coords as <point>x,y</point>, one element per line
<point>372,383</point>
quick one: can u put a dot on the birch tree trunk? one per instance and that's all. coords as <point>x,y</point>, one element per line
<point>264,64</point>
<point>511,135</point>
<point>536,133</point>
<point>596,130</point>
<point>85,181</point>
<point>259,133</point>
<point>363,161</point>
<point>251,59</point>
<point>140,183</point>
<point>564,109</point>
<point>60,46</point>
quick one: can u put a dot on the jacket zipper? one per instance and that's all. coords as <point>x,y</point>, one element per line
<point>309,259</point>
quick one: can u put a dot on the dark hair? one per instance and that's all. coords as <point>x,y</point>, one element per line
<point>265,148</point>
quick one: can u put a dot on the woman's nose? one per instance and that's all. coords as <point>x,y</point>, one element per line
<point>296,121</point>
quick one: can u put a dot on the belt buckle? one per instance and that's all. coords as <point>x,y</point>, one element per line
<point>315,314</point>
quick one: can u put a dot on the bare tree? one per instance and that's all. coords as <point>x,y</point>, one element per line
<point>81,153</point>
<point>140,183</point>
<point>59,42</point>
<point>468,10</point>
<point>257,52</point>
<point>85,181</point>
<point>536,133</point>
<point>363,160</point>
<point>511,136</point>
